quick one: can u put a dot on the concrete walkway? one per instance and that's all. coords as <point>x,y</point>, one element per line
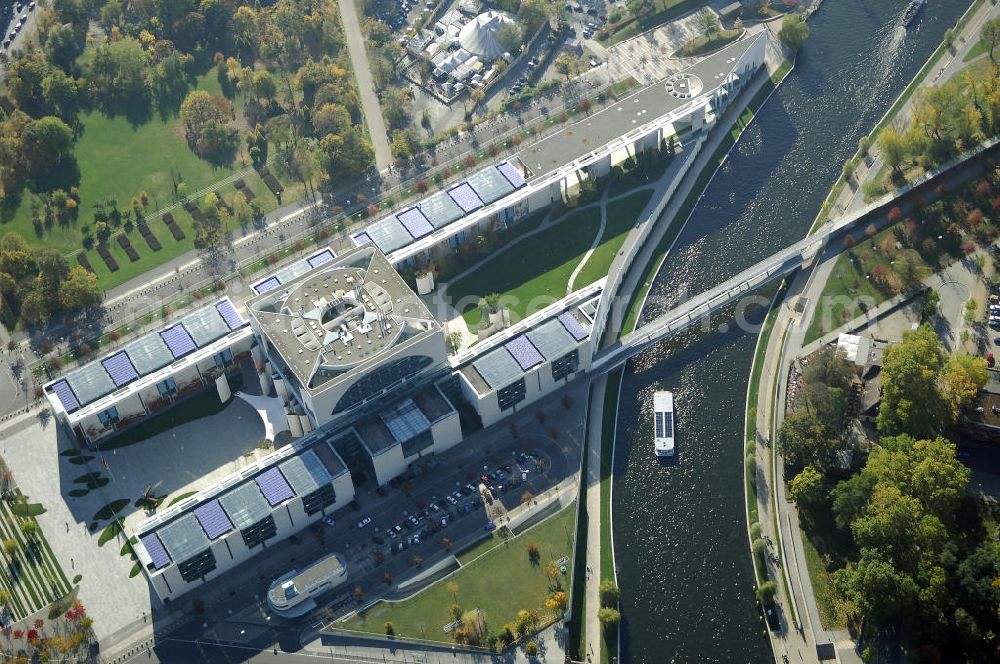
<point>366,84</point>
<point>592,599</point>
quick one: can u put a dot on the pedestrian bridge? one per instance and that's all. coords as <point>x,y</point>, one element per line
<point>704,304</point>
<point>782,263</point>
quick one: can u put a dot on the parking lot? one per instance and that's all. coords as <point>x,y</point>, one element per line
<point>15,17</point>
<point>393,525</point>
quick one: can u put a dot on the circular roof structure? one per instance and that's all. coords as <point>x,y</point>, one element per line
<point>479,36</point>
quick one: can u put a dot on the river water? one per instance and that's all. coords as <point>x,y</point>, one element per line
<point>680,534</point>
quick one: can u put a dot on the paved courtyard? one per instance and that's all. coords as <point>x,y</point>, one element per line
<point>182,459</point>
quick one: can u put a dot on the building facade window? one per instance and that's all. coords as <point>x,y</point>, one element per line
<point>566,365</point>
<point>108,417</point>
<point>259,532</point>
<point>198,566</point>
<point>510,396</point>
<point>167,387</point>
<point>418,443</point>
<point>378,381</point>
<point>224,359</point>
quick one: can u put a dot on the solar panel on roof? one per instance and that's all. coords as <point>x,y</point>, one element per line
<point>120,368</point>
<point>320,258</point>
<point>178,340</point>
<point>230,315</point>
<point>466,197</point>
<point>658,419</point>
<point>512,174</point>
<point>362,239</point>
<point>668,424</point>
<point>415,223</point>
<point>213,519</point>
<point>66,396</point>
<point>274,487</point>
<point>524,352</point>
<point>154,547</point>
<point>573,326</point>
<point>267,284</point>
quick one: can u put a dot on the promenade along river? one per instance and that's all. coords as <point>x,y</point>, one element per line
<point>680,540</point>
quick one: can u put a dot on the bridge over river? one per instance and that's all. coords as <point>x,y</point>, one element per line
<point>786,261</point>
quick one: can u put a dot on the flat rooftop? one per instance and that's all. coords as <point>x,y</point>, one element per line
<point>340,315</point>
<point>594,131</point>
<point>181,532</point>
<point>327,568</point>
<point>145,355</point>
<point>443,208</point>
<point>546,341</point>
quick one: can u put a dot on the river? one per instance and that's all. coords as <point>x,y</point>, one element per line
<point>680,535</point>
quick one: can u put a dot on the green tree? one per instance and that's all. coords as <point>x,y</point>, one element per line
<point>808,488</point>
<point>766,592</point>
<point>911,402</point>
<point>803,440</point>
<point>990,34</point>
<point>893,149</point>
<point>531,649</point>
<point>46,142</point>
<point>345,156</point>
<point>29,529</point>
<point>850,497</point>
<point>876,587</point>
<point>610,593</point>
<point>961,379</point>
<point>62,46</point>
<point>533,14</point>
<point>829,367</point>
<point>794,32</point>
<point>331,119</point>
<point>509,36</point>
<point>608,617</point>
<point>710,23</point>
<point>79,289</point>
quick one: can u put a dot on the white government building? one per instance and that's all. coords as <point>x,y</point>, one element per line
<point>355,358</point>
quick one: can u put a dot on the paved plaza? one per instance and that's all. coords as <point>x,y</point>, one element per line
<point>183,459</point>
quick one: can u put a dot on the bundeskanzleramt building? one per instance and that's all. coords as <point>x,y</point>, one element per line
<point>344,334</point>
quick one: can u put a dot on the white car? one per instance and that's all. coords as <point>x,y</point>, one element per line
<point>364,522</point>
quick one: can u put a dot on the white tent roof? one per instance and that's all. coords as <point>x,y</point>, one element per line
<point>480,34</point>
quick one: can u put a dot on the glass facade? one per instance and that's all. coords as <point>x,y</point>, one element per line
<point>513,394</point>
<point>376,382</point>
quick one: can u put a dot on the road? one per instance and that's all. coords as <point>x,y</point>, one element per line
<point>366,84</point>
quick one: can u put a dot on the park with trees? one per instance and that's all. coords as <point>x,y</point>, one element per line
<point>116,113</point>
<point>900,545</point>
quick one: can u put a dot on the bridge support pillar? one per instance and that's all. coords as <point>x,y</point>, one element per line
<point>601,168</point>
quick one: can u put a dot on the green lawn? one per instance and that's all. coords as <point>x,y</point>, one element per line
<point>500,583</point>
<point>848,284</point>
<point>118,160</point>
<point>823,589</point>
<point>978,49</point>
<point>623,214</point>
<point>609,642</point>
<point>533,274</point>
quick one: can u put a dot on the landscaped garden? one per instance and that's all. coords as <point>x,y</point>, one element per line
<point>898,259</point>
<point>30,575</point>
<point>499,596</point>
<point>129,142</point>
<point>535,272</point>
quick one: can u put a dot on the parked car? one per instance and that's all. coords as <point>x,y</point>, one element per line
<point>391,533</point>
<point>489,525</point>
<point>364,522</point>
<point>329,520</point>
<point>414,521</point>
